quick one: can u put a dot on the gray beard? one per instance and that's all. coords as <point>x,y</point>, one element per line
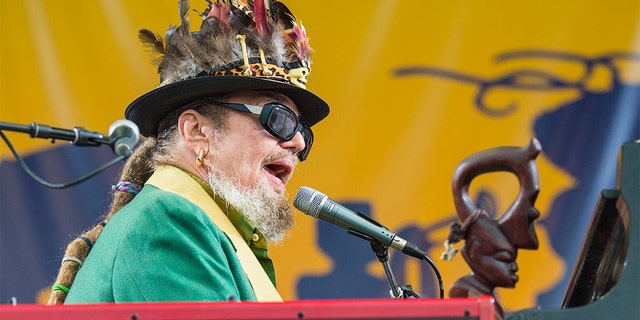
<point>268,211</point>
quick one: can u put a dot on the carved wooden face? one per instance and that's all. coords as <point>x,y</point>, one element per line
<point>517,222</point>
<point>490,254</point>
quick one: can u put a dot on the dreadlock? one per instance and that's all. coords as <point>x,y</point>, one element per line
<point>136,170</point>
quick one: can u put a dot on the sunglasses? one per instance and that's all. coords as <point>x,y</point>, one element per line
<point>279,121</point>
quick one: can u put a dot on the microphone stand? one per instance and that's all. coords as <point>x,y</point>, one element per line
<point>382,254</point>
<point>78,137</point>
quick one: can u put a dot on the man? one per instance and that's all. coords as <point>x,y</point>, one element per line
<point>201,198</point>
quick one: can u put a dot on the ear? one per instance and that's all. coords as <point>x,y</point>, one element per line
<point>195,130</point>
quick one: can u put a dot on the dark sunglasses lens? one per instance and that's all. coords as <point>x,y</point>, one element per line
<point>282,123</point>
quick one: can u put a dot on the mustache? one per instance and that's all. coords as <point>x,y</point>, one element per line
<point>286,155</point>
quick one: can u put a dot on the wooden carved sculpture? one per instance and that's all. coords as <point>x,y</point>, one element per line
<point>491,246</point>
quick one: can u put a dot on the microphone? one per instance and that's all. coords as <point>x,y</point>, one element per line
<point>78,136</point>
<point>319,206</point>
<point>123,136</point>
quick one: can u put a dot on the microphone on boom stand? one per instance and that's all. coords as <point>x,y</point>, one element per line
<point>122,138</point>
<point>318,205</point>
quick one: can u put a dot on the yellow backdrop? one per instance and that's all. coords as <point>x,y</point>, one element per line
<point>391,140</point>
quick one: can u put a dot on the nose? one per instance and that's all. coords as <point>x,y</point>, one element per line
<point>296,144</point>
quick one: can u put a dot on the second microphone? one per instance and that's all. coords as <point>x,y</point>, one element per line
<point>318,205</point>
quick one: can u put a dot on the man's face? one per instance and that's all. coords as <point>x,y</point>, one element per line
<point>250,167</point>
<point>250,155</point>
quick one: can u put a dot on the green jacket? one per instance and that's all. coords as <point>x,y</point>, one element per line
<point>161,247</point>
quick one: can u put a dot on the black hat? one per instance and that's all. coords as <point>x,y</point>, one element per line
<point>238,47</point>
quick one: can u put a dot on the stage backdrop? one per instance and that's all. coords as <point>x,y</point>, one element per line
<point>414,87</point>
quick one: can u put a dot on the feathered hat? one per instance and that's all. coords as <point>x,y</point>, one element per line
<point>241,45</point>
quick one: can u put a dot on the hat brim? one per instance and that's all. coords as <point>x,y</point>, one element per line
<point>149,109</point>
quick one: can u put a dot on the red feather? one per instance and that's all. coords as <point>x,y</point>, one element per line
<point>260,17</point>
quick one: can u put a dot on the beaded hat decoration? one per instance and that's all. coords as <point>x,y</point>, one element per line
<point>241,45</point>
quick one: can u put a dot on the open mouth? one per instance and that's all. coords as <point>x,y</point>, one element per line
<point>280,170</point>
